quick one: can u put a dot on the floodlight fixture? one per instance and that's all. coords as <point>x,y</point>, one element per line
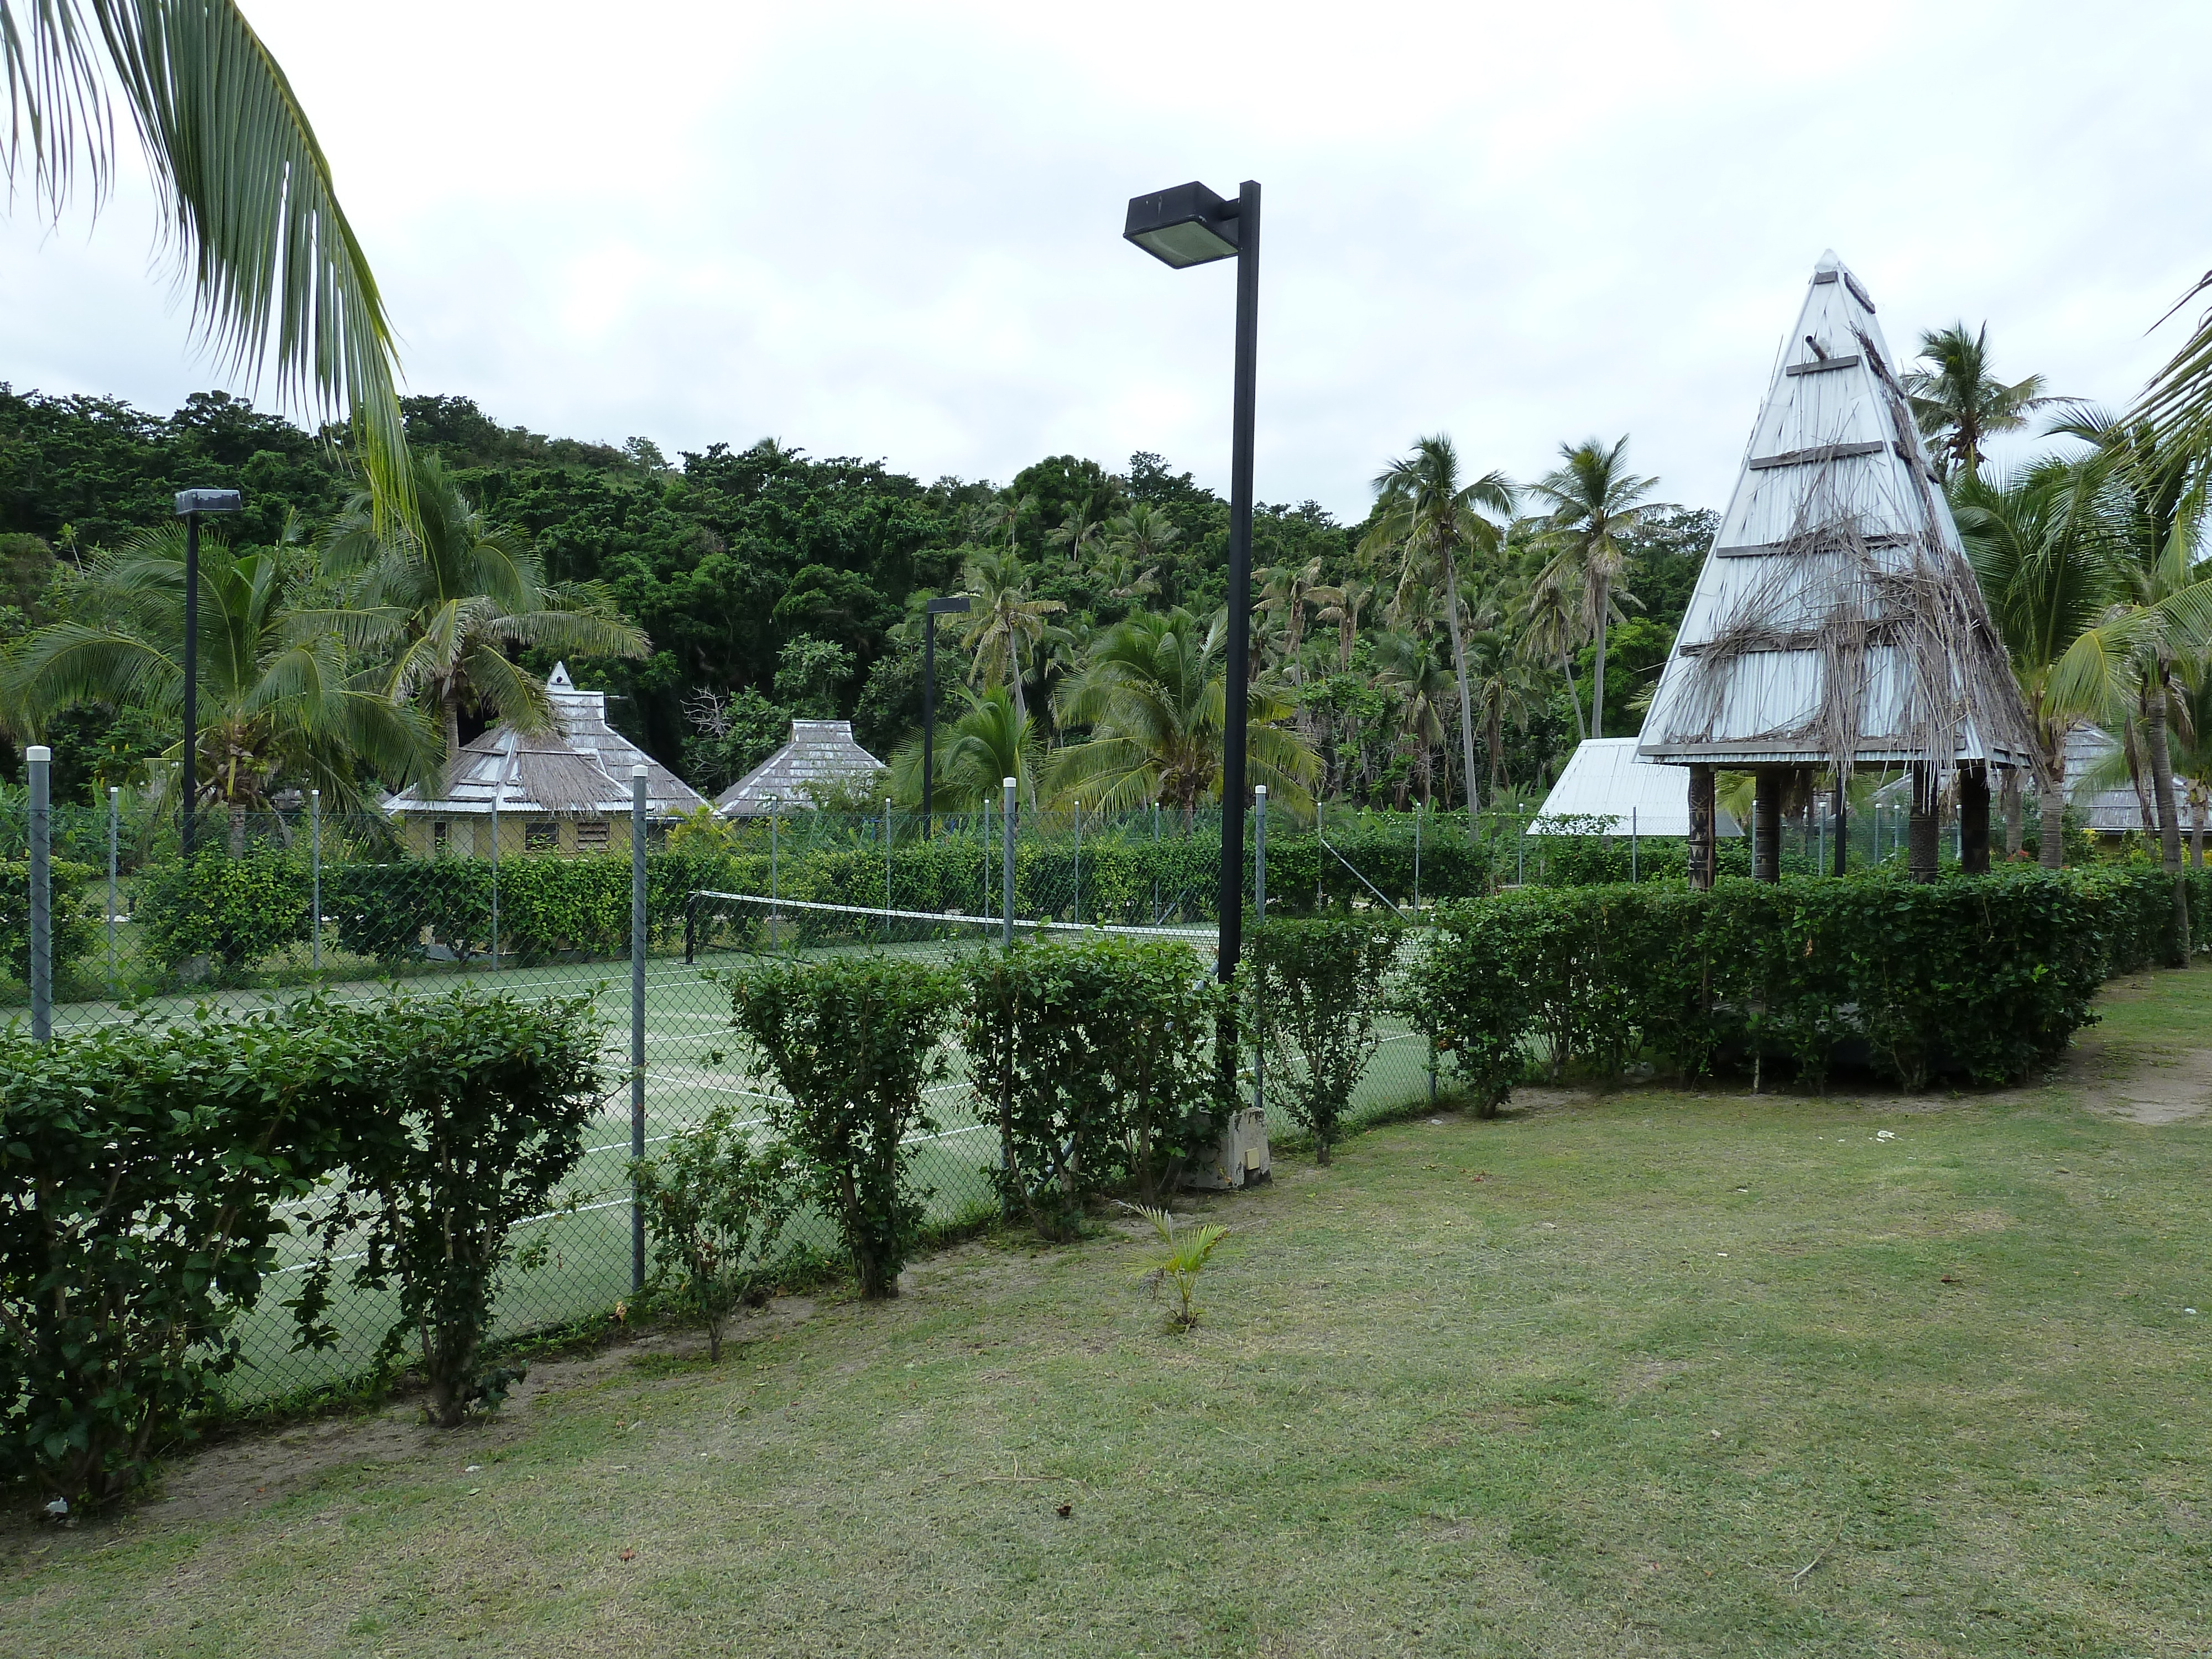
<point>1187,226</point>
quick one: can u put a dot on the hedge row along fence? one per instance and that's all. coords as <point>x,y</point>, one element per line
<point>1982,977</point>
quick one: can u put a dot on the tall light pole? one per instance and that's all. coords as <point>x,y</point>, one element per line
<point>191,504</point>
<point>952,606</point>
<point>1190,226</point>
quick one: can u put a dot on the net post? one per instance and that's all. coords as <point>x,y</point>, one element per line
<point>1417,858</point>
<point>315,865</point>
<point>498,788</point>
<point>637,809</point>
<point>1632,845</point>
<point>40,764</point>
<point>1006,865</point>
<point>1077,915</point>
<point>691,927</point>
<point>114,811</point>
<point>887,866</point>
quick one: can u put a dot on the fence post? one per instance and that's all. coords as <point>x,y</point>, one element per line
<point>637,808</point>
<point>39,759</point>
<point>1631,846</point>
<point>1521,847</point>
<point>887,867</point>
<point>498,784</point>
<point>1006,867</point>
<point>775,889</point>
<point>315,866</point>
<point>1417,860</point>
<point>114,811</point>
<point>1156,863</point>
<point>1077,912</point>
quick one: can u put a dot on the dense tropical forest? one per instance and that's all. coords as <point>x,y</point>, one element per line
<point>1456,643</point>
<point>720,595</point>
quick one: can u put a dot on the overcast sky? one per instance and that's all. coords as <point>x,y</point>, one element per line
<point>895,231</point>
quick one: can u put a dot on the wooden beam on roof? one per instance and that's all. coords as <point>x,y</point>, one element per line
<point>1807,457</point>
<point>1823,365</point>
<point>1808,544</point>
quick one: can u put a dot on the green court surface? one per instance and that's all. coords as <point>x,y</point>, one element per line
<point>694,1063</point>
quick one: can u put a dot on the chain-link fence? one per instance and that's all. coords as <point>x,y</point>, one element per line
<point>276,906</point>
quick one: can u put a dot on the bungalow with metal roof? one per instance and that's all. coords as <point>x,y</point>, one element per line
<point>565,791</point>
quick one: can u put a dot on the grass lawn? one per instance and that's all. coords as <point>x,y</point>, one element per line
<point>1649,1372</point>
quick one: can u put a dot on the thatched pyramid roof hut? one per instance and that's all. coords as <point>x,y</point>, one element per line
<point>1836,622</point>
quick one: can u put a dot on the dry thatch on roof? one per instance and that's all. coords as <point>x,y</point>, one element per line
<point>1836,621</point>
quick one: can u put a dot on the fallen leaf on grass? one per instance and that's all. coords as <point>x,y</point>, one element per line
<point>630,1555</point>
<point>1065,1510</point>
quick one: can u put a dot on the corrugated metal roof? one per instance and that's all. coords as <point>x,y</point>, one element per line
<point>2115,811</point>
<point>581,767</point>
<point>1605,778</point>
<point>1836,560</point>
<point>821,752</point>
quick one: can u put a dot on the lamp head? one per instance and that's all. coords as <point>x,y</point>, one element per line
<point>949,605</point>
<point>1188,225</point>
<point>190,501</point>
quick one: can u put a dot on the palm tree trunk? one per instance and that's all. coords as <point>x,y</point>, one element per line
<point>237,828</point>
<point>2169,822</point>
<point>2197,829</point>
<point>1597,675</point>
<point>451,707</point>
<point>2014,817</point>
<point>1459,673</point>
<point>2051,807</point>
<point>1574,697</point>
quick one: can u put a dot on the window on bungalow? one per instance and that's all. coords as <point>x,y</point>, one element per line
<point>441,836</point>
<point>592,836</point>
<point>541,835</point>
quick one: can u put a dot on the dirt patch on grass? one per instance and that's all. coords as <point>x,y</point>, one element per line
<point>256,1470</point>
<point>2157,1089</point>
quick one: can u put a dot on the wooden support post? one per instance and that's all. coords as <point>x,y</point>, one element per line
<point>1842,814</point>
<point>1920,854</point>
<point>1703,850</point>
<point>1974,820</point>
<point>1767,824</point>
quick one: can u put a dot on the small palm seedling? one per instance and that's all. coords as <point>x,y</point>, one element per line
<point>1188,1250</point>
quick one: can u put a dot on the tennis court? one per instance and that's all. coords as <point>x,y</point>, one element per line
<point>694,1063</point>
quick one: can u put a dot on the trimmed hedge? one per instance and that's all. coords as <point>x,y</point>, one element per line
<point>76,926</point>
<point>1982,976</point>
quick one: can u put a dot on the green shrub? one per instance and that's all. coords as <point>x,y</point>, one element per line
<point>1098,1058</point>
<point>76,924</point>
<point>855,1041</point>
<point>235,912</point>
<point>715,1204</point>
<point>1316,988</point>
<point>142,1171</point>
<point>1983,976</point>
<point>463,1114</point>
<point>395,912</point>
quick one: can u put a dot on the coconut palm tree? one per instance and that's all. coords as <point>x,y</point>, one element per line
<point>1285,591</point>
<point>1342,605</point>
<point>1958,403</point>
<point>1595,500</point>
<point>275,268</point>
<point>280,703</point>
<point>1122,577</point>
<point>2038,544</point>
<point>1428,520</point>
<point>1550,633</point>
<point>1421,688</point>
<point>988,743</point>
<point>1002,518</point>
<point>2151,495</point>
<point>1500,694</point>
<point>451,593</point>
<point>1082,535</point>
<point>1154,697</point>
<point>1144,534</point>
<point>1005,624</point>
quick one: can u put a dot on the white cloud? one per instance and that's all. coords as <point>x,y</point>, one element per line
<point>894,231</point>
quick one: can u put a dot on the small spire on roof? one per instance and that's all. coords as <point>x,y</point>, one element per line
<point>559,677</point>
